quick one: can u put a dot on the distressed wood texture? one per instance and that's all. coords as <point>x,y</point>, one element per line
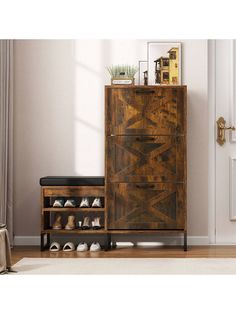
<point>146,157</point>
<point>146,206</point>
<point>145,110</point>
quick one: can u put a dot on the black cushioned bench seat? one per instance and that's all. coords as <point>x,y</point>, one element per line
<point>71,181</point>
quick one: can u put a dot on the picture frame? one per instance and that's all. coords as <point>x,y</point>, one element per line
<point>143,77</point>
<point>164,63</point>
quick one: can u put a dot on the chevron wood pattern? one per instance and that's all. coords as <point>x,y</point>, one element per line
<point>146,158</point>
<point>146,206</point>
<point>146,111</point>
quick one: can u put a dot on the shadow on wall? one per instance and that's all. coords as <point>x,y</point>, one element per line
<point>91,59</point>
<point>59,113</point>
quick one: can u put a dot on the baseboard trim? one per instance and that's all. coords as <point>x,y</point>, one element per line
<point>173,240</point>
<point>27,240</point>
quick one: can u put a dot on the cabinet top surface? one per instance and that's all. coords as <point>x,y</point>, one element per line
<point>145,86</point>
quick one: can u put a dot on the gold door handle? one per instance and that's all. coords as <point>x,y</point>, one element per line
<point>221,128</point>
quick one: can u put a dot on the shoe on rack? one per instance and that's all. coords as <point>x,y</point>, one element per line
<point>68,247</point>
<point>79,225</point>
<point>70,223</point>
<point>54,247</point>
<point>86,223</point>
<point>70,203</point>
<point>96,223</point>
<point>59,202</point>
<point>95,247</point>
<point>57,223</point>
<point>84,202</point>
<point>97,202</point>
<point>82,247</point>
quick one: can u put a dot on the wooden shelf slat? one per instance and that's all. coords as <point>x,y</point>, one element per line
<point>103,231</point>
<point>71,209</point>
<point>63,231</point>
<point>144,231</point>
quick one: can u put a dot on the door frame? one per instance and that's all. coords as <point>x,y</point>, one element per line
<point>212,141</point>
<point>212,132</point>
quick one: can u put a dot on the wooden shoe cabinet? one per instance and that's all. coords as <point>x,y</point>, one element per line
<point>145,167</point>
<point>145,135</point>
<point>50,193</point>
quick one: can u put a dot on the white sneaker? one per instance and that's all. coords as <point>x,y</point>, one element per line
<point>82,247</point>
<point>84,202</point>
<point>95,247</point>
<point>55,247</point>
<point>68,247</point>
<point>97,202</point>
<point>58,203</point>
<point>70,203</point>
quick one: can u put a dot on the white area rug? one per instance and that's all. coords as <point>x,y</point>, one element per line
<point>125,266</point>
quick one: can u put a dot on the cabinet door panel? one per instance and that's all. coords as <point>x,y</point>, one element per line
<point>154,110</point>
<point>146,206</point>
<point>146,158</point>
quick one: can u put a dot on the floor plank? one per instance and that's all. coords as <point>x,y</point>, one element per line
<point>228,251</point>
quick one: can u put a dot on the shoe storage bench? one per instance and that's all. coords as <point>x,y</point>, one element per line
<point>76,188</point>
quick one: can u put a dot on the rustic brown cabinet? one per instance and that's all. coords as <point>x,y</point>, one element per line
<point>146,159</point>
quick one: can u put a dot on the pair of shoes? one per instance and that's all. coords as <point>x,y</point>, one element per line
<point>95,224</point>
<point>69,226</point>
<point>95,247</point>
<point>69,247</point>
<point>85,202</point>
<point>59,202</point>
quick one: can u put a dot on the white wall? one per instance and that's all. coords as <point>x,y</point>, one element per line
<point>59,118</point>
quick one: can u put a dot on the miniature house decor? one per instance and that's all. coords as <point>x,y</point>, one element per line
<point>164,63</point>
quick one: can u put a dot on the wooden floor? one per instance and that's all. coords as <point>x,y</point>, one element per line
<point>20,252</point>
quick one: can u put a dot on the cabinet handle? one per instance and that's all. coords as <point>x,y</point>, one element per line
<point>144,91</point>
<point>144,139</point>
<point>147,186</point>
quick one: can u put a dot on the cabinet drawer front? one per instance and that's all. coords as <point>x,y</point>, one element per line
<point>146,206</point>
<point>154,110</point>
<point>146,158</point>
<point>80,191</point>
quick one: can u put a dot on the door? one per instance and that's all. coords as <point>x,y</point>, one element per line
<point>146,206</point>
<point>225,158</point>
<point>146,158</point>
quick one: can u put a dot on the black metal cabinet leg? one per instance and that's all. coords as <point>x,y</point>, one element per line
<point>108,242</point>
<point>48,240</point>
<point>42,242</point>
<point>185,241</point>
